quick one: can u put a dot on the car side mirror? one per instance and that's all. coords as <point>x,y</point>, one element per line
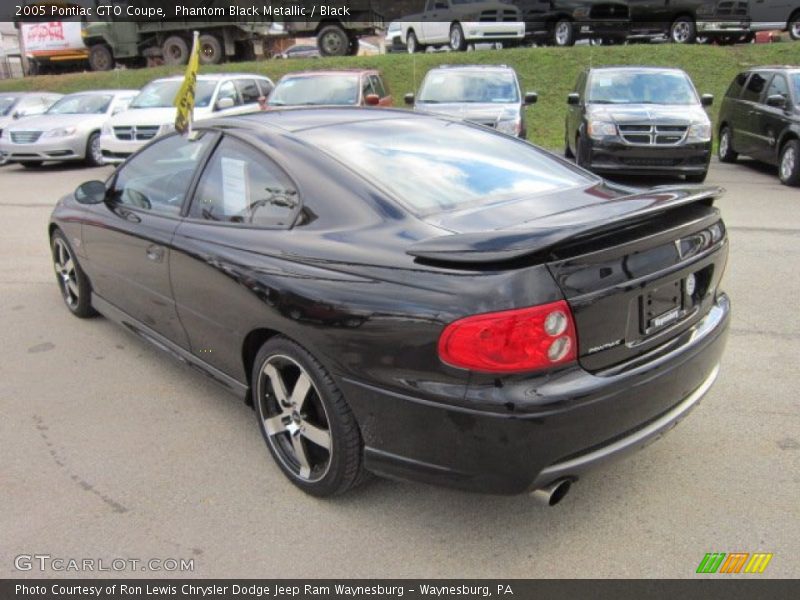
<point>531,98</point>
<point>707,99</point>
<point>224,103</point>
<point>91,192</point>
<point>372,100</point>
<point>409,99</point>
<point>776,101</point>
<point>574,99</point>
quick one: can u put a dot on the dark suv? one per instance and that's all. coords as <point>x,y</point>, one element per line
<point>760,117</point>
<point>639,120</point>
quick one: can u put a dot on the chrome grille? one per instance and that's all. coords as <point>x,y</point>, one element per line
<point>508,16</point>
<point>139,133</point>
<point>653,135</point>
<point>25,137</point>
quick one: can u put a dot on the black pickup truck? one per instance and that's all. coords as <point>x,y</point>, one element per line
<point>563,22</point>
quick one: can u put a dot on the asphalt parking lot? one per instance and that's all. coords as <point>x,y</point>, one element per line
<point>112,450</point>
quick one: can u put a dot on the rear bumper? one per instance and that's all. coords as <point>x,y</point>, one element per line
<point>524,432</point>
<point>65,148</point>
<point>617,157</point>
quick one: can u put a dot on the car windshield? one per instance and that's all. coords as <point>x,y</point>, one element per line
<point>82,104</point>
<point>316,90</point>
<point>436,165</point>
<point>161,94</point>
<point>640,87</point>
<point>7,104</point>
<point>490,87</point>
<point>795,78</point>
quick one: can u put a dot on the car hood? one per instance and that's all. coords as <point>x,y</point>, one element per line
<point>48,122</point>
<point>481,113</point>
<point>678,114</point>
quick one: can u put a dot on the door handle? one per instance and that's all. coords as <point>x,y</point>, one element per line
<point>155,253</point>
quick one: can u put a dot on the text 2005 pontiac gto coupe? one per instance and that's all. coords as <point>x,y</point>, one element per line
<point>408,295</point>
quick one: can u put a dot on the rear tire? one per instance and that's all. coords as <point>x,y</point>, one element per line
<point>211,50</point>
<point>309,429</point>
<point>101,58</point>
<point>72,281</point>
<point>725,151</point>
<point>683,31</point>
<point>175,51</point>
<point>789,165</point>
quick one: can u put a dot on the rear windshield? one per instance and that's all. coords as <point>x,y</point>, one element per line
<point>81,104</point>
<point>322,90</point>
<point>640,87</point>
<point>489,87</point>
<point>434,165</point>
<point>161,94</point>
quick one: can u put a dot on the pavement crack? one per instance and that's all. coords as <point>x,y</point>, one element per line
<point>61,461</point>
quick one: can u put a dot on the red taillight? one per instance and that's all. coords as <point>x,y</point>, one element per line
<point>524,339</point>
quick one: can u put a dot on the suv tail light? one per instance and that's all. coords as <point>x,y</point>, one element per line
<point>525,339</point>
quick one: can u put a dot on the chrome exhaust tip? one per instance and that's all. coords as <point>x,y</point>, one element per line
<point>552,494</point>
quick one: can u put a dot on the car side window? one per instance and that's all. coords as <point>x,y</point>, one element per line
<point>735,88</point>
<point>265,87</point>
<point>248,90</point>
<point>755,86</point>
<point>366,86</point>
<point>227,89</point>
<point>377,84</point>
<point>241,185</point>
<point>158,178</point>
<point>778,87</point>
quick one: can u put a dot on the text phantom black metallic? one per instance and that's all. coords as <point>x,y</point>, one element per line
<point>408,295</point>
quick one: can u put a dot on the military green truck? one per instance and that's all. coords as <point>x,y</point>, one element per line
<point>168,41</point>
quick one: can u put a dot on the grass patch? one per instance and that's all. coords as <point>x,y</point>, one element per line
<point>549,71</point>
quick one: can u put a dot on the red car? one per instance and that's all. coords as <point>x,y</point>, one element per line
<point>354,87</point>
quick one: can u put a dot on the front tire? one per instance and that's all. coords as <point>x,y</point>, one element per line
<point>458,42</point>
<point>412,43</point>
<point>306,422</point>
<point>333,41</point>
<point>31,164</point>
<point>683,31</point>
<point>789,165</point>
<point>794,26</point>
<point>580,153</point>
<point>94,155</point>
<point>72,281</point>
<point>725,151</point>
<point>101,58</point>
<point>563,34</point>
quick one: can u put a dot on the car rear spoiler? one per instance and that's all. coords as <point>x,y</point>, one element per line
<point>538,235</point>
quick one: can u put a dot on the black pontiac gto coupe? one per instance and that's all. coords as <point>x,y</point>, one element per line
<point>408,295</point>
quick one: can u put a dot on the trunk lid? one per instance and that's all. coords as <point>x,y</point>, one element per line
<point>637,270</point>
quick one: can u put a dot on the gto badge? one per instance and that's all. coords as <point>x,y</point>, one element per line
<point>604,346</point>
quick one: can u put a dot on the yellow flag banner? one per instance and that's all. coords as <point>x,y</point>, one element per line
<point>184,101</point>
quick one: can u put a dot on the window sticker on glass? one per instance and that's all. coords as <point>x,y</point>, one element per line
<point>234,186</point>
<point>602,81</point>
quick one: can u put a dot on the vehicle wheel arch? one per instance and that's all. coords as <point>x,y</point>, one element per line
<point>329,21</point>
<point>251,344</point>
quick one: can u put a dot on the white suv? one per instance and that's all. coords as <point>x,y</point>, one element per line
<point>152,112</point>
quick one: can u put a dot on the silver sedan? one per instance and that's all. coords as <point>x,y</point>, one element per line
<point>68,130</point>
